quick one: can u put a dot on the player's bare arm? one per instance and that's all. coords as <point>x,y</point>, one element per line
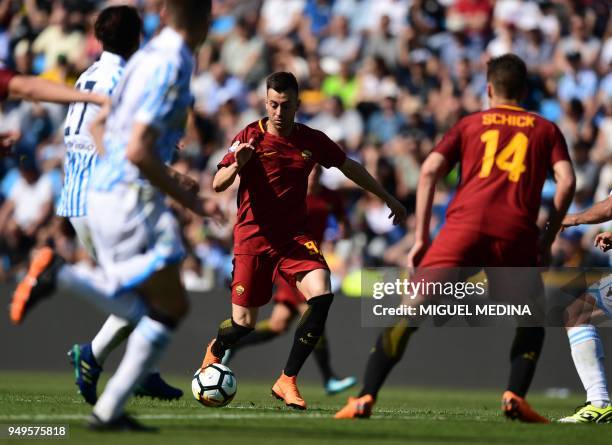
<point>36,89</point>
<point>600,212</point>
<point>433,169</point>
<point>226,176</point>
<point>360,176</point>
<point>188,183</point>
<point>564,193</point>
<point>141,153</point>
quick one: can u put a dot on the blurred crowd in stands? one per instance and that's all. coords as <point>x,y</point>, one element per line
<point>383,78</point>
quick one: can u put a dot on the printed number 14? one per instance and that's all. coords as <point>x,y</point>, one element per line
<point>510,159</point>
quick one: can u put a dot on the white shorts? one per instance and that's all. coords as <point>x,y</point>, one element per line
<point>80,225</point>
<point>134,234</point>
<point>601,291</point>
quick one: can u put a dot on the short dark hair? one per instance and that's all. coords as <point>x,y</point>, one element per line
<point>508,75</point>
<point>282,81</point>
<point>183,10</point>
<point>118,28</point>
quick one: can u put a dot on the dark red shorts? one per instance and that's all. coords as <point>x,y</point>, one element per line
<point>287,294</point>
<point>465,248</point>
<point>455,255</point>
<point>254,275</point>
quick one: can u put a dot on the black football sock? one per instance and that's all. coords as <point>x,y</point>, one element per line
<point>261,334</point>
<point>524,356</point>
<point>321,355</point>
<point>308,332</point>
<point>387,352</point>
<point>228,334</point>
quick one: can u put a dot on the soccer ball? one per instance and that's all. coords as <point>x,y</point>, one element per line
<point>214,385</point>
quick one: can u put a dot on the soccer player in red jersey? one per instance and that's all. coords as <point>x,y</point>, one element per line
<point>274,157</point>
<point>19,86</point>
<point>505,154</point>
<point>322,203</point>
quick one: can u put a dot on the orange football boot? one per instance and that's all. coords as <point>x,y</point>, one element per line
<point>210,358</point>
<point>517,408</point>
<point>38,283</point>
<point>356,408</point>
<point>286,389</point>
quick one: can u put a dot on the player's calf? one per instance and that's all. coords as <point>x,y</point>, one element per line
<point>308,332</point>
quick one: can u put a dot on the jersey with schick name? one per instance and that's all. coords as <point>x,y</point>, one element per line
<point>154,91</point>
<point>273,184</point>
<point>81,155</point>
<point>505,154</point>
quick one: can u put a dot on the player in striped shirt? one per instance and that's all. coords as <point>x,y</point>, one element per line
<point>136,237</point>
<point>118,29</point>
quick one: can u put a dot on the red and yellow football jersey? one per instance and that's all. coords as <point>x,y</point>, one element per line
<point>505,154</point>
<point>273,184</point>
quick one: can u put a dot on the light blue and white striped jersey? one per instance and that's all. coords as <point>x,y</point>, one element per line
<point>102,77</point>
<point>154,91</point>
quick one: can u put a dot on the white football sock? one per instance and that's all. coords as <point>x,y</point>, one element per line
<point>91,284</point>
<point>144,349</point>
<point>112,333</point>
<point>588,355</point>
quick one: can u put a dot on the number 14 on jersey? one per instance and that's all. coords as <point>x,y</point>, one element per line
<point>511,158</point>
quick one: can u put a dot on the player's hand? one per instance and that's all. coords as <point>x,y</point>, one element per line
<point>398,212</point>
<point>604,241</point>
<point>7,140</point>
<point>568,221</point>
<point>244,152</point>
<point>416,253</point>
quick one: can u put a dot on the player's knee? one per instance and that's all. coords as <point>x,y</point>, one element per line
<point>315,283</point>
<point>579,312</point>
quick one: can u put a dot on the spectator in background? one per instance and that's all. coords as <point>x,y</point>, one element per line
<point>383,43</point>
<point>61,42</point>
<point>242,53</point>
<point>385,124</point>
<point>339,124</point>
<point>214,87</point>
<point>342,84</point>
<point>579,82</point>
<point>340,45</point>
<point>280,17</point>
<point>27,208</point>
<point>580,40</point>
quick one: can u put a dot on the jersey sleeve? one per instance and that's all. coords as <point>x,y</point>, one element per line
<point>327,152</point>
<point>450,145</point>
<point>229,157</point>
<point>559,151</point>
<point>5,77</point>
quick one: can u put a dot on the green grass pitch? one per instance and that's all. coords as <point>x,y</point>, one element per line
<point>403,415</point>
